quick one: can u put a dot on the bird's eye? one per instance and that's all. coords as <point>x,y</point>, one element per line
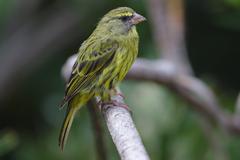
<point>125,18</point>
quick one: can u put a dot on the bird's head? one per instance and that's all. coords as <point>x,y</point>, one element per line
<point>120,20</point>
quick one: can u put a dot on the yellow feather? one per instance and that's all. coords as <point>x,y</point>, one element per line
<point>66,127</point>
<point>103,61</point>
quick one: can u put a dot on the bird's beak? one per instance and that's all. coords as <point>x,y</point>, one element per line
<point>137,18</point>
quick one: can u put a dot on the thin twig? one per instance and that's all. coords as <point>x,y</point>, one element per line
<point>98,131</point>
<point>237,111</point>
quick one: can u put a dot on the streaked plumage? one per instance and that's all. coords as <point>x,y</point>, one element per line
<point>103,61</point>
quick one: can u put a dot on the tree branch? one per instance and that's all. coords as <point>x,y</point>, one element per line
<point>168,30</point>
<point>123,131</point>
<point>191,89</point>
<point>167,19</point>
<point>98,132</point>
<point>238,105</point>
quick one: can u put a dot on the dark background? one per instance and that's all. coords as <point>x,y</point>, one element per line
<point>37,36</point>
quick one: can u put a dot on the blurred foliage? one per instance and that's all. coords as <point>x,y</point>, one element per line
<point>8,142</point>
<point>30,120</point>
<point>213,30</point>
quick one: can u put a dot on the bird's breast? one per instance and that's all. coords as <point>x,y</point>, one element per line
<point>124,57</point>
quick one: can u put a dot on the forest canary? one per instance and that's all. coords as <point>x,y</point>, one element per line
<point>103,61</point>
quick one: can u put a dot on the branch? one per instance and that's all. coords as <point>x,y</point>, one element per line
<point>191,89</point>
<point>167,19</point>
<point>124,133</point>
<point>120,125</point>
<point>238,105</point>
<point>98,132</point>
<point>168,31</point>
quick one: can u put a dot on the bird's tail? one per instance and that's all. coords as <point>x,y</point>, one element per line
<point>66,126</point>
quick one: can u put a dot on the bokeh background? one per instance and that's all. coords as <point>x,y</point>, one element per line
<point>37,36</point>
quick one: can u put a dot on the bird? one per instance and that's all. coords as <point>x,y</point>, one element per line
<point>103,61</point>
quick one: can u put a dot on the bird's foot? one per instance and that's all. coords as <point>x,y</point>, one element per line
<point>119,104</point>
<point>120,94</point>
<point>117,93</point>
<point>115,103</point>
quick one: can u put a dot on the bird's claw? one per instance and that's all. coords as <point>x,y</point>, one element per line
<point>120,94</point>
<point>115,103</point>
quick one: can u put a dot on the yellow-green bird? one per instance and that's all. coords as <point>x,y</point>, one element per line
<point>103,61</point>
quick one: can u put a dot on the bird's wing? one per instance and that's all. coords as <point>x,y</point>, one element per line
<point>92,60</point>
